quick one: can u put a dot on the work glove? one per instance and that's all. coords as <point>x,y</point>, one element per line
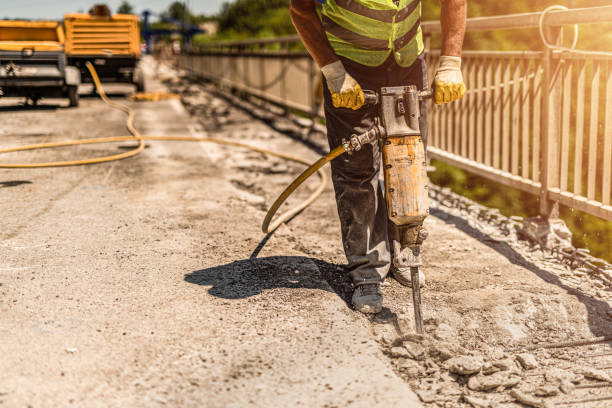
<point>345,91</point>
<point>448,81</point>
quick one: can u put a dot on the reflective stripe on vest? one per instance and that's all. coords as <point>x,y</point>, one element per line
<point>386,16</point>
<point>399,43</point>
<point>349,36</point>
<point>366,31</point>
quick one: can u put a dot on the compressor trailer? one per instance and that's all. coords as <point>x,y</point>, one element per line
<point>110,43</point>
<point>33,63</point>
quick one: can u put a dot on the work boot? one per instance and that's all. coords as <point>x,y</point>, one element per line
<point>367,297</point>
<point>402,275</point>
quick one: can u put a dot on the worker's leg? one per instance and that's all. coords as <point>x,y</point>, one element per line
<point>359,197</point>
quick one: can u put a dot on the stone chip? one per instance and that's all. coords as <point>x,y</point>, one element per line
<point>546,390</point>
<point>445,332</point>
<point>481,382</point>
<point>399,352</point>
<point>477,402</point>
<point>560,376</point>
<point>530,400</point>
<point>595,374</point>
<point>410,368</point>
<point>416,351</point>
<point>527,361</point>
<point>465,365</point>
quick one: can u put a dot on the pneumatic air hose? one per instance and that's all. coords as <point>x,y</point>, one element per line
<point>137,137</point>
<point>129,124</point>
<point>295,184</point>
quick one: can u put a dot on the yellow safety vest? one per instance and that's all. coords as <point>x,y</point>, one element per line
<point>367,31</point>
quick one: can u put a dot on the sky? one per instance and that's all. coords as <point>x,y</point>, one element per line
<point>55,9</point>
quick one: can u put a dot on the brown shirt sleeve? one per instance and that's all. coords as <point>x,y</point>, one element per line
<point>308,25</point>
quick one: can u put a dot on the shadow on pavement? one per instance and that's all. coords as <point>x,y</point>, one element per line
<point>112,94</point>
<point>249,277</point>
<point>23,107</point>
<point>597,310</point>
<point>13,183</point>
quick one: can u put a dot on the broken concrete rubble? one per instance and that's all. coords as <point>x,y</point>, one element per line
<point>559,376</point>
<point>546,390</point>
<point>527,361</point>
<point>481,382</point>
<point>530,400</point>
<point>477,402</point>
<point>415,350</point>
<point>595,374</point>
<point>465,365</point>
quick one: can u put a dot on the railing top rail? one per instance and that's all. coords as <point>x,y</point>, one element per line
<point>588,15</point>
<point>254,41</point>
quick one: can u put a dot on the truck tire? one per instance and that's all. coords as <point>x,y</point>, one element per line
<point>73,95</point>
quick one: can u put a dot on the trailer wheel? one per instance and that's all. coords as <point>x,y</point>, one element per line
<point>73,95</point>
<point>139,80</point>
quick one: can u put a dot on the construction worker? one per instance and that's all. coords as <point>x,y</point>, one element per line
<point>369,44</point>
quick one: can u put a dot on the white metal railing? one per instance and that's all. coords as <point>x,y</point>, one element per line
<point>540,121</point>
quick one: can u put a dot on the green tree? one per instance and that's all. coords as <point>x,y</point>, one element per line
<point>178,11</point>
<point>264,18</point>
<point>256,18</point>
<point>125,8</point>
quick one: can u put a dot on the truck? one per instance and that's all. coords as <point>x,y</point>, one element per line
<point>110,42</point>
<point>33,63</point>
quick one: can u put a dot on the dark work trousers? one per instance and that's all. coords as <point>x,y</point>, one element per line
<point>359,194</point>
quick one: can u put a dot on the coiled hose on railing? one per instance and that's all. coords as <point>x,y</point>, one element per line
<point>137,137</point>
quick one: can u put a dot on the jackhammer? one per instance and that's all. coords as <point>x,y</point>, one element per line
<point>397,131</point>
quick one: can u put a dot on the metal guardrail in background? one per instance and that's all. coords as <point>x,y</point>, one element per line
<point>248,66</point>
<point>539,121</point>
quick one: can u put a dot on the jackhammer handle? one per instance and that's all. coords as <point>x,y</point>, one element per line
<point>371,97</point>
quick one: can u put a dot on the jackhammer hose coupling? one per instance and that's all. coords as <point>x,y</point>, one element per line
<point>422,236</point>
<point>356,142</point>
<point>370,97</point>
<point>425,94</point>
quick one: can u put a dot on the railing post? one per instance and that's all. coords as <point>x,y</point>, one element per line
<point>311,87</point>
<point>551,119</point>
<point>427,42</point>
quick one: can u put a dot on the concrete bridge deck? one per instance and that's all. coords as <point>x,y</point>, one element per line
<point>146,282</point>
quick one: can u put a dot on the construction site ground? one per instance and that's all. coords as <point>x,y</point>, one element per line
<point>147,282</point>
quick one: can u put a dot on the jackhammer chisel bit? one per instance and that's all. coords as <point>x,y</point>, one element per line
<point>416,299</point>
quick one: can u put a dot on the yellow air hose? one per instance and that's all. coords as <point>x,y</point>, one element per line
<point>316,166</point>
<point>136,136</point>
<point>129,124</point>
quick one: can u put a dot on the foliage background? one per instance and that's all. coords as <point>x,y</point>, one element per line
<point>268,18</point>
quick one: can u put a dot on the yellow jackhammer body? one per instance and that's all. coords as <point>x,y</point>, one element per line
<point>405,173</point>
